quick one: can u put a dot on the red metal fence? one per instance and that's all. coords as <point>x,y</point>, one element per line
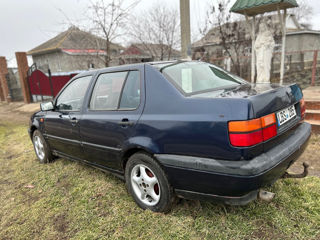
<point>45,86</point>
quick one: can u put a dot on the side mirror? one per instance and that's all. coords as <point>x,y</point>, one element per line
<point>47,106</point>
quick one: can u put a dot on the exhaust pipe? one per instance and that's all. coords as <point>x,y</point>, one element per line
<point>266,196</point>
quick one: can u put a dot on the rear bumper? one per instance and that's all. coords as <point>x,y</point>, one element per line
<point>235,180</point>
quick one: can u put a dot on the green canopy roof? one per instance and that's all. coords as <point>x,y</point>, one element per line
<point>254,7</point>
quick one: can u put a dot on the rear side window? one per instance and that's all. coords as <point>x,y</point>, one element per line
<point>117,90</point>
<point>71,99</point>
<point>106,92</point>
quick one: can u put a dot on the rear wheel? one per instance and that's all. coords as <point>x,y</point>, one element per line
<point>148,184</point>
<point>41,148</point>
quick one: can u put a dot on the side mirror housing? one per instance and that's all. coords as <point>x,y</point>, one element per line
<point>47,106</point>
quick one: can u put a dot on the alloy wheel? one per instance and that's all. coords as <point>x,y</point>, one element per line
<point>39,147</point>
<point>145,185</point>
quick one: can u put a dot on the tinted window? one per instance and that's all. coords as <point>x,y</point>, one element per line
<point>71,98</point>
<point>130,98</point>
<point>192,77</point>
<point>106,92</point>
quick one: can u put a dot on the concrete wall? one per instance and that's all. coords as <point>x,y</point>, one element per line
<point>14,84</point>
<point>62,62</point>
<point>303,42</point>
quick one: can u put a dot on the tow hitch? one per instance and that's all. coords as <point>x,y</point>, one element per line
<point>301,175</point>
<point>268,196</point>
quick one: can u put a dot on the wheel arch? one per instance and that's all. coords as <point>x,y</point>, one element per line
<point>138,144</point>
<point>34,124</point>
<point>131,151</point>
<point>32,129</point>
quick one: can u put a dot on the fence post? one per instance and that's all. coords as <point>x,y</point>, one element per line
<point>314,67</point>
<point>2,98</point>
<point>23,75</point>
<point>1,93</point>
<point>50,82</point>
<point>302,60</point>
<point>3,78</point>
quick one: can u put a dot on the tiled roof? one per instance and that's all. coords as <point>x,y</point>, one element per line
<point>73,38</point>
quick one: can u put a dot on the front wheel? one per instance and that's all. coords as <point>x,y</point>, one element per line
<point>148,184</point>
<point>41,148</point>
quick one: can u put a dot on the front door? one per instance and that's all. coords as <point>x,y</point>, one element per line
<point>115,106</point>
<point>62,124</point>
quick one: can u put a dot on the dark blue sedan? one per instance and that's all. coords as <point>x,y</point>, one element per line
<point>187,129</point>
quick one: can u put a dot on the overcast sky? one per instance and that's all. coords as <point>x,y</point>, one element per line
<point>24,24</point>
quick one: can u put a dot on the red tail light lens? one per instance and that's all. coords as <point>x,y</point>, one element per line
<point>252,132</point>
<point>269,132</point>
<point>246,139</point>
<point>302,108</point>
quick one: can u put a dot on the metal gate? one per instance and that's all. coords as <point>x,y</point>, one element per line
<point>45,86</point>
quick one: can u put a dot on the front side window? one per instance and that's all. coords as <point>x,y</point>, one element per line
<point>71,99</point>
<point>195,77</point>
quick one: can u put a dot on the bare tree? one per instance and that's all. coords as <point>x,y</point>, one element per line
<point>228,30</point>
<point>157,29</point>
<point>304,12</point>
<point>109,19</point>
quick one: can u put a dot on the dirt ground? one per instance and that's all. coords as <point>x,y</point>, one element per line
<point>20,113</point>
<point>17,112</point>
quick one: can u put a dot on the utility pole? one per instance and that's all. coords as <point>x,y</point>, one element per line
<point>185,28</point>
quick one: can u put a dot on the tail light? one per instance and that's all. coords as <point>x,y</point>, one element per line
<point>269,128</point>
<point>302,108</point>
<point>252,132</point>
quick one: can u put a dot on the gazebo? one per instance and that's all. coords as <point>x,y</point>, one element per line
<point>251,8</point>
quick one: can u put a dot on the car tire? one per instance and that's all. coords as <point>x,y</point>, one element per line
<point>41,148</point>
<point>148,184</point>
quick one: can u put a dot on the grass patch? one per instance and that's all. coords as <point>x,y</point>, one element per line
<point>72,201</point>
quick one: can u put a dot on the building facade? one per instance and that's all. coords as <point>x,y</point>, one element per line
<point>73,50</point>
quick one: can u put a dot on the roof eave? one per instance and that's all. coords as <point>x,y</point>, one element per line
<point>253,11</point>
<point>43,51</point>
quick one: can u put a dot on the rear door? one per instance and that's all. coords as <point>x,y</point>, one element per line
<point>62,124</point>
<point>115,105</point>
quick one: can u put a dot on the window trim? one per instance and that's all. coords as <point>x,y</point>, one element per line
<point>64,88</point>
<point>121,92</point>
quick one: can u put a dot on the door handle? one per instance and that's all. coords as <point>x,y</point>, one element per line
<point>125,122</point>
<point>64,116</point>
<point>74,120</point>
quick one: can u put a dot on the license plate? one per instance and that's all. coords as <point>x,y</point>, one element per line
<point>286,114</point>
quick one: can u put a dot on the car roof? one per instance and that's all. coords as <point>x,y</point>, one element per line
<point>159,63</point>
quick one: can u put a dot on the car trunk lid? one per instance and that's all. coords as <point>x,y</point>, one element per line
<point>264,100</point>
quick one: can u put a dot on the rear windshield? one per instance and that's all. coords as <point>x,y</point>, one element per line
<point>196,77</point>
